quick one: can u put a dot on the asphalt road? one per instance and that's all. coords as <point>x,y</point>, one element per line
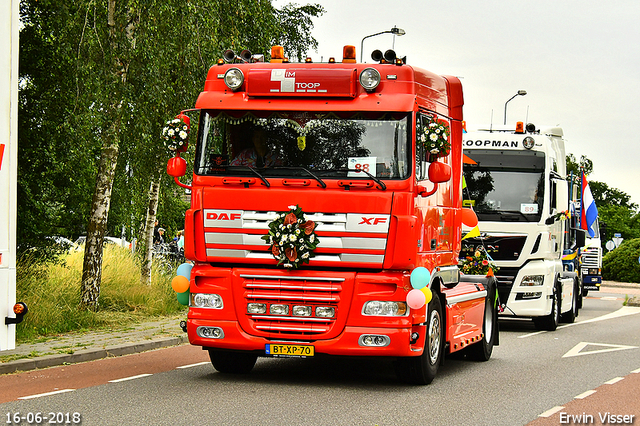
<point>530,374</point>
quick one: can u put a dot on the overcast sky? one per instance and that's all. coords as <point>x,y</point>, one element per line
<point>579,62</point>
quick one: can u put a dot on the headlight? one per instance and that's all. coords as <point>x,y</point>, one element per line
<point>325,311</point>
<point>374,340</point>
<point>279,309</point>
<point>384,309</point>
<point>205,300</point>
<point>532,280</point>
<point>369,79</point>
<point>257,308</point>
<point>233,78</point>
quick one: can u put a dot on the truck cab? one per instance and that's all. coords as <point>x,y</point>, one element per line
<point>516,183</point>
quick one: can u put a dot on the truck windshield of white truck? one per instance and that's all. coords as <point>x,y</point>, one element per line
<point>505,185</point>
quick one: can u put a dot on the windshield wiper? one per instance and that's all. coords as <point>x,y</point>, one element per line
<point>320,181</point>
<point>517,212</point>
<point>381,184</point>
<point>266,182</point>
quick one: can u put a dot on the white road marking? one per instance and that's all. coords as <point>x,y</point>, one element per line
<point>551,412</point>
<point>636,371</point>
<point>577,349</point>
<point>585,394</point>
<point>194,365</point>
<point>622,312</point>
<point>129,378</point>
<point>46,394</point>
<point>614,380</point>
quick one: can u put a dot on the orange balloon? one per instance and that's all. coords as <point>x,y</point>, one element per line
<point>469,217</point>
<point>180,284</point>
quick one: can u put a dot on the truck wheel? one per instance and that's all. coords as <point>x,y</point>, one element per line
<point>482,350</point>
<point>551,321</point>
<point>422,370</point>
<point>232,362</point>
<point>570,316</point>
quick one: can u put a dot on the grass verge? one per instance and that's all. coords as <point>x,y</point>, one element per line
<point>52,293</point>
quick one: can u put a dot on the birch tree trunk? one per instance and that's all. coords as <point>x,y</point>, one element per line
<point>147,237</point>
<point>92,265</point>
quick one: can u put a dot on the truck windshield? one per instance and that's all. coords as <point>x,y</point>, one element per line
<point>282,144</point>
<point>503,185</point>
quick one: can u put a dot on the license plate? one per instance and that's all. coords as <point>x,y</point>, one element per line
<point>289,351</point>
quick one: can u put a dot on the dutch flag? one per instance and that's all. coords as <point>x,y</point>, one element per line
<point>589,211</point>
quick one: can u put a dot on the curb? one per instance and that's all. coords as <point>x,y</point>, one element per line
<point>27,364</point>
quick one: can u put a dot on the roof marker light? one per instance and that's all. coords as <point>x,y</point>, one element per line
<point>519,127</point>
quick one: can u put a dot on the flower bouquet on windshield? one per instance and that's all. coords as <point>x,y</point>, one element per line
<point>479,263</point>
<point>292,238</point>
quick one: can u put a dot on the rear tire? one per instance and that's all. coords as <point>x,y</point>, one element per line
<point>232,362</point>
<point>551,321</point>
<point>482,350</point>
<point>421,370</point>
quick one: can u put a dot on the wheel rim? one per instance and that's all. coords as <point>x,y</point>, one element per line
<point>434,336</point>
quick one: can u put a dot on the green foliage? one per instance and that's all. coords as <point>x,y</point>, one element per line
<point>51,291</point>
<point>83,79</point>
<point>577,167</point>
<point>622,263</point>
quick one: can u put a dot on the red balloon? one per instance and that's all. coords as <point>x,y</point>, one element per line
<point>469,217</point>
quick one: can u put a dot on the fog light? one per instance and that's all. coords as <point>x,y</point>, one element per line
<point>384,309</point>
<point>257,308</point>
<point>302,311</point>
<point>210,332</point>
<point>205,300</point>
<point>325,311</point>
<point>278,309</point>
<point>532,280</point>
<point>376,340</point>
<point>529,295</point>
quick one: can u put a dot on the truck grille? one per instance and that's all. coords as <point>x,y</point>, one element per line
<point>591,257</point>
<point>293,291</point>
<point>499,247</point>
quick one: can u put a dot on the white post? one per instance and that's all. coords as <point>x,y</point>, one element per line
<point>9,47</point>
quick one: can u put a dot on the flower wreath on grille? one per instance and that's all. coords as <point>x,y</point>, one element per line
<point>478,264</point>
<point>292,238</point>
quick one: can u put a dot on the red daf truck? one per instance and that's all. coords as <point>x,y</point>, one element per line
<point>326,214</point>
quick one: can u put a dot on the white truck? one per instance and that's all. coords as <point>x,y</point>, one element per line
<point>516,182</point>
<point>11,312</point>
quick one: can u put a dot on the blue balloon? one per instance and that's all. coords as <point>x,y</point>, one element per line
<point>185,270</point>
<point>420,277</point>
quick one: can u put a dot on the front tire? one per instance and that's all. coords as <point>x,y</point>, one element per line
<point>421,370</point>
<point>232,362</point>
<point>551,321</point>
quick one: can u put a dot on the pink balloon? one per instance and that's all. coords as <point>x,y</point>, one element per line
<point>416,299</point>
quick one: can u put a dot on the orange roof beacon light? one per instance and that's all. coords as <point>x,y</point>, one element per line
<point>277,54</point>
<point>519,127</point>
<point>349,54</point>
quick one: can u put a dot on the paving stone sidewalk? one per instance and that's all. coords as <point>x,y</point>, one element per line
<point>144,336</point>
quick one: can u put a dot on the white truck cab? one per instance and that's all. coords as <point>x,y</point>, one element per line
<point>516,183</point>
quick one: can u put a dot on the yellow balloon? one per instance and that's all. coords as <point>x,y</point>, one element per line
<point>427,294</point>
<point>180,284</point>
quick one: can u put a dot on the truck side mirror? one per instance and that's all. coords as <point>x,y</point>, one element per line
<point>580,237</point>
<point>439,172</point>
<point>177,167</point>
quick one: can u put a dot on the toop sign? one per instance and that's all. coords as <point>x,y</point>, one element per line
<point>288,83</point>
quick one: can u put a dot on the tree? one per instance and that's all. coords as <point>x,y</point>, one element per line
<point>119,71</point>
<point>577,167</point>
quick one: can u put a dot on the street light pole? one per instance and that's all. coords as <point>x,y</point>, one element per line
<point>395,31</point>
<point>520,93</point>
